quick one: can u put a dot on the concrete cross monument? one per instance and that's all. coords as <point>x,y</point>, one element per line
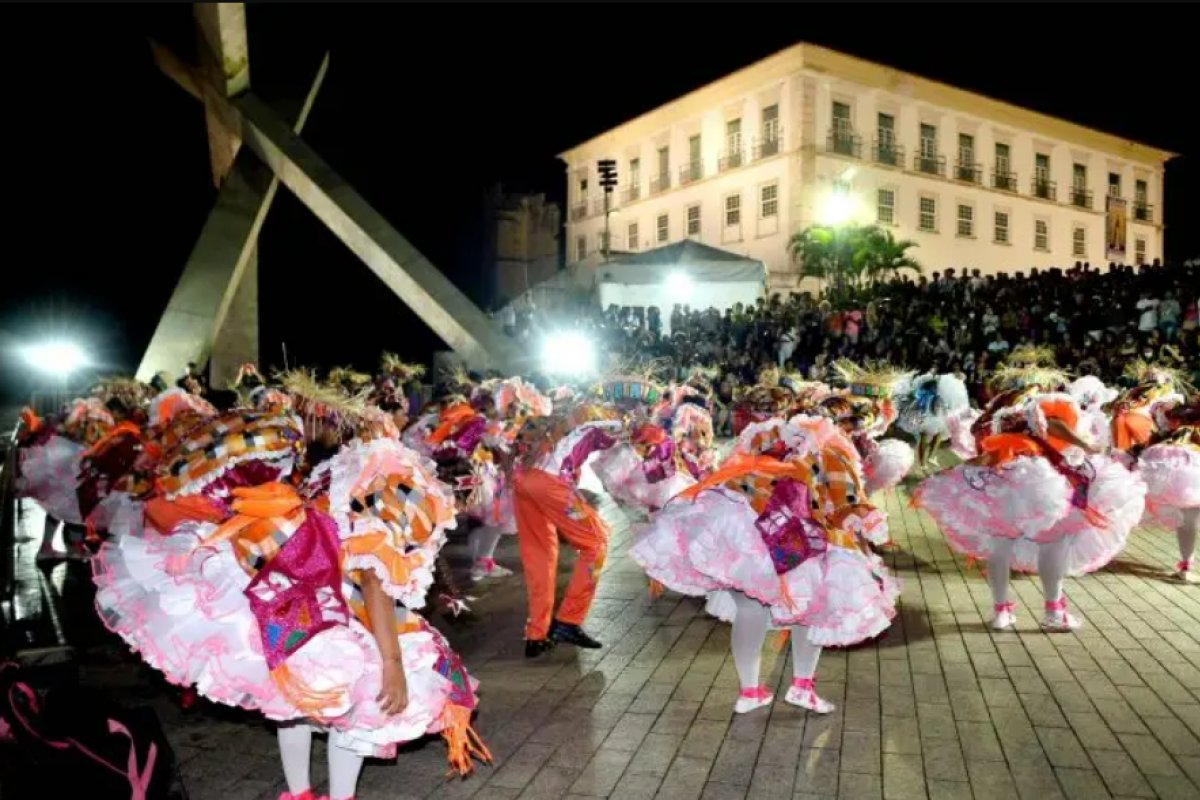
<point>212,315</point>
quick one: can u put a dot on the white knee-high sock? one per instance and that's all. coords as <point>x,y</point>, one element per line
<point>344,768</point>
<point>804,653</point>
<point>295,749</point>
<point>1052,568</point>
<point>998,565</point>
<point>746,640</point>
<point>483,542</point>
<point>1186,533</point>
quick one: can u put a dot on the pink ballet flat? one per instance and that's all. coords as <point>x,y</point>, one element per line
<point>1058,619</point>
<point>750,699</point>
<point>1006,616</point>
<point>802,693</point>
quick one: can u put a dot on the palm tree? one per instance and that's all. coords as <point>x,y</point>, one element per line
<point>881,255</point>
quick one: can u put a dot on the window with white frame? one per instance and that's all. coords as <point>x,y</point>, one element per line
<point>1001,235</point>
<point>1139,251</point>
<point>693,220</point>
<point>1079,241</point>
<point>635,174</point>
<point>885,206</point>
<point>733,210</point>
<point>580,247</point>
<point>927,218</point>
<point>663,230</point>
<point>965,220</point>
<point>768,200</point>
<point>1041,234</point>
<point>632,241</point>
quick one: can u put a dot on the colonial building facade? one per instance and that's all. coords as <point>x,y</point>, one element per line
<point>812,136</point>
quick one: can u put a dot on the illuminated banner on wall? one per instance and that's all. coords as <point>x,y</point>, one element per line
<point>1115,221</point>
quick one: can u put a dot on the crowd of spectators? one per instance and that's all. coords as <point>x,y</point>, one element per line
<point>1097,321</point>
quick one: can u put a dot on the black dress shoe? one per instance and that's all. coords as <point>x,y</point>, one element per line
<point>572,634</point>
<point>536,647</point>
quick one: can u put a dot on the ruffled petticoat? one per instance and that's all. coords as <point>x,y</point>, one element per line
<point>492,503</point>
<point>48,474</point>
<point>1029,501</point>
<point>886,463</point>
<point>710,545</point>
<point>182,607</point>
<point>952,399</point>
<point>620,472</point>
<point>1172,475</point>
<point>958,427</point>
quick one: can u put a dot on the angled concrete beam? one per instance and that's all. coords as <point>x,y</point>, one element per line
<point>437,301</point>
<point>198,307</point>
<point>225,66</point>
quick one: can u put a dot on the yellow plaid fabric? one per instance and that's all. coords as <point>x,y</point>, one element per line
<point>211,448</point>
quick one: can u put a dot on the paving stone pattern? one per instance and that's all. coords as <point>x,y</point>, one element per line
<point>940,707</point>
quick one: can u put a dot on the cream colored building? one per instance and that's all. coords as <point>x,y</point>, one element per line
<point>810,135</point>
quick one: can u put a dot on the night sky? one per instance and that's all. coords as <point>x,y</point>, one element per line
<point>425,107</point>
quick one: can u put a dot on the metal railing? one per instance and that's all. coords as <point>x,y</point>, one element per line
<point>660,183</point>
<point>1004,180</point>
<point>579,211</point>
<point>691,172</point>
<point>888,153</point>
<point>843,143</point>
<point>968,172</point>
<point>1044,188</point>
<point>1081,197</point>
<point>769,145</point>
<point>631,194</point>
<point>930,164</point>
<point>1143,212</point>
<point>730,159</point>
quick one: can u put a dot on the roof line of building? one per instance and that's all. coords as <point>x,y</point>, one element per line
<point>824,60</point>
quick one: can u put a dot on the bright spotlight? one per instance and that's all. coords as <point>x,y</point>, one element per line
<point>56,358</point>
<point>568,353</point>
<point>679,284</point>
<point>836,209</point>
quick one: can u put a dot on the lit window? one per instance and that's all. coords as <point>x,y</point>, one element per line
<point>733,210</point>
<point>1079,242</point>
<point>769,200</point>
<point>693,221</point>
<point>966,220</point>
<point>632,242</point>
<point>662,228</point>
<point>581,248</point>
<point>1139,251</point>
<point>1041,234</point>
<point>885,206</point>
<point>928,217</point>
<point>1002,227</point>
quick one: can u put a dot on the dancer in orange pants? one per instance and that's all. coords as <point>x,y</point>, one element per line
<point>547,506</point>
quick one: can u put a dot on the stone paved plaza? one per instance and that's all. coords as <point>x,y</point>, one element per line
<point>939,707</point>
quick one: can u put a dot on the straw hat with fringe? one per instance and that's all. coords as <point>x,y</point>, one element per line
<point>392,364</point>
<point>1019,376</point>
<point>1028,355</point>
<point>316,402</point>
<point>871,379</point>
<point>1144,372</point>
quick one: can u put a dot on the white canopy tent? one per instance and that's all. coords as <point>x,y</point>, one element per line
<point>686,272</point>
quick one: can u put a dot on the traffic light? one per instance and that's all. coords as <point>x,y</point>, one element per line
<point>607,168</point>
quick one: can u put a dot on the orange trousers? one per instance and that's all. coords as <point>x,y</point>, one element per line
<point>546,507</point>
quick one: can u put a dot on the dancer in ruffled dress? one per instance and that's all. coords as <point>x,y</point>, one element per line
<point>1171,469</point>
<point>865,410</point>
<point>924,405</point>
<point>298,604</point>
<point>1038,497</point>
<point>776,538</point>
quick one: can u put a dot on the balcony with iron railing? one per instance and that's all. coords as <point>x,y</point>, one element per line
<point>691,172</point>
<point>1142,211</point>
<point>660,183</point>
<point>968,172</point>
<point>598,207</point>
<point>1044,188</point>
<point>929,163</point>
<point>1004,180</point>
<point>730,159</point>
<point>769,144</point>
<point>843,142</point>
<point>579,211</point>
<point>888,153</point>
<point>1081,197</point>
<point>631,194</point>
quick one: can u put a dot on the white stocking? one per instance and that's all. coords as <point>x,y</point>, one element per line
<point>1186,533</point>
<point>483,542</point>
<point>344,767</point>
<point>295,749</point>
<point>746,640</point>
<point>998,566</point>
<point>1052,568</point>
<point>804,653</point>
